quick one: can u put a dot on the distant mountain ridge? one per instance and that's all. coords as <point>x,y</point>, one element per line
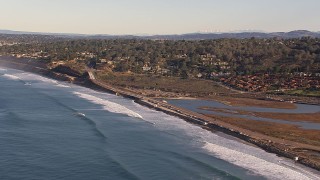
<point>190,36</point>
<point>240,35</point>
<point>38,33</point>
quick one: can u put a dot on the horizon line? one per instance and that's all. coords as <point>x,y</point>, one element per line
<point>21,32</point>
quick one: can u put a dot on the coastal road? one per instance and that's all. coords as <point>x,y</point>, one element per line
<point>160,105</point>
<point>276,145</point>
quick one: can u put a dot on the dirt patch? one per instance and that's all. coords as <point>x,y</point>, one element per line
<point>303,117</point>
<point>277,130</point>
<point>255,102</point>
<point>312,117</point>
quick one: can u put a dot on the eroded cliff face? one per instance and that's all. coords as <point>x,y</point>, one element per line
<point>39,67</point>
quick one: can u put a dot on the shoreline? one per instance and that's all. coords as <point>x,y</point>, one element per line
<point>266,143</point>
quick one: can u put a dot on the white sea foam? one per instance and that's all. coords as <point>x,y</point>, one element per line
<point>254,159</point>
<point>29,76</point>
<point>63,86</point>
<point>10,76</point>
<point>109,106</point>
<point>260,166</point>
<point>248,157</point>
<point>2,69</point>
<point>43,79</point>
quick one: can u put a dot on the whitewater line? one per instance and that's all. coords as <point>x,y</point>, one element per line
<point>108,105</point>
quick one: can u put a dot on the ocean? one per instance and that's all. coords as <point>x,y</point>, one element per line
<point>55,130</point>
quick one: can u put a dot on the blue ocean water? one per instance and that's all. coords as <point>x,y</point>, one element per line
<point>54,130</point>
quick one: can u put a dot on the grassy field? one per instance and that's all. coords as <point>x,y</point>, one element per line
<point>194,87</point>
<point>304,93</point>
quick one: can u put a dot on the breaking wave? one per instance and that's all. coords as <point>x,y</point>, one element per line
<point>41,78</point>
<point>254,159</point>
<point>271,170</point>
<point>109,106</point>
<point>10,76</point>
<point>63,86</point>
<point>237,153</point>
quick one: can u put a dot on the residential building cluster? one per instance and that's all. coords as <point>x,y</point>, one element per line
<point>35,55</point>
<point>280,82</point>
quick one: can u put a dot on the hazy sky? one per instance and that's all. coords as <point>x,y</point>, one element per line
<point>158,16</point>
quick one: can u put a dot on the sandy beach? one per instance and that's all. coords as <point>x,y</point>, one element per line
<point>286,148</point>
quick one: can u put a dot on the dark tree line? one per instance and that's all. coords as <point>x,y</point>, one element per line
<point>183,58</point>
